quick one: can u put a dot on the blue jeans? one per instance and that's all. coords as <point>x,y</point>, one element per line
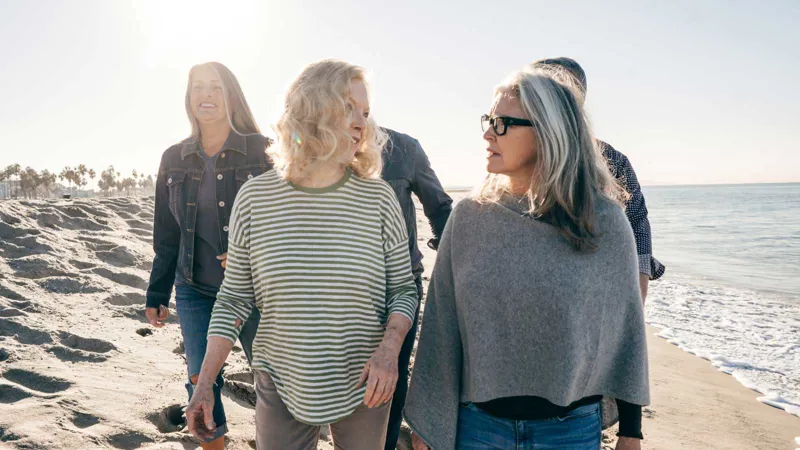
<point>194,315</point>
<point>577,430</point>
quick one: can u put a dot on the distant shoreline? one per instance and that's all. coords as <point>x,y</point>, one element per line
<point>666,185</point>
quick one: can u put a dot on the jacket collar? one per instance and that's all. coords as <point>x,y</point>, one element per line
<point>235,142</point>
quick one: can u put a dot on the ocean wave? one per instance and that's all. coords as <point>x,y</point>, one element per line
<point>750,335</point>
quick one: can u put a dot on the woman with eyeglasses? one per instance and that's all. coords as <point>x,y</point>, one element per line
<point>533,311</point>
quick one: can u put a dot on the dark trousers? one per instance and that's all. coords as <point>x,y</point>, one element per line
<point>400,392</point>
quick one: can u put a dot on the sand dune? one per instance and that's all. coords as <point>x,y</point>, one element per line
<point>80,366</point>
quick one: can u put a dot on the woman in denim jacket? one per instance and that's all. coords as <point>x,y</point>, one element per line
<point>197,184</point>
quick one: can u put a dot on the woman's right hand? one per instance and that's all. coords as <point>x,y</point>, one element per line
<point>199,413</point>
<point>418,443</point>
<point>157,316</point>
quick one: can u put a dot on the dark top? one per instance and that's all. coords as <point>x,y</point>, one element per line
<point>407,170</point>
<point>208,271</point>
<point>635,209</point>
<point>176,218</point>
<point>538,408</point>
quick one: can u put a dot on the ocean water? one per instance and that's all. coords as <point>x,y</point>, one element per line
<point>731,293</point>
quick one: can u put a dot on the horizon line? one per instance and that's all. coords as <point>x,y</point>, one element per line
<point>662,184</point>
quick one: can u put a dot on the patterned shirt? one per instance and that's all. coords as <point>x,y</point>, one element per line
<point>635,209</point>
<point>326,268</point>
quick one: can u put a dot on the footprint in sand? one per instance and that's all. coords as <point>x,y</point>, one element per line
<point>36,381</point>
<point>143,233</point>
<point>4,355</point>
<point>127,279</point>
<point>241,390</point>
<point>97,244</point>
<point>180,349</point>
<point>12,394</point>
<point>83,420</point>
<point>24,246</point>
<point>11,312</point>
<point>87,344</point>
<point>126,299</point>
<point>55,219</point>
<point>71,355</point>
<point>82,265</point>
<point>39,266</point>
<point>24,305</point>
<point>8,436</point>
<point>129,440</point>
<point>70,285</point>
<point>74,212</point>
<point>170,419</point>
<point>140,224</point>
<point>118,257</point>
<point>10,232</point>
<point>79,418</point>
<point>23,334</point>
<point>10,293</point>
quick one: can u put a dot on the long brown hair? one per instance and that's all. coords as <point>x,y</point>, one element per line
<point>240,118</point>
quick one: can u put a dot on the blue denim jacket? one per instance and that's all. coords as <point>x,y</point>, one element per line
<point>177,187</point>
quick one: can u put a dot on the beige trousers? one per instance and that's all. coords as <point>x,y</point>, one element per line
<point>277,429</point>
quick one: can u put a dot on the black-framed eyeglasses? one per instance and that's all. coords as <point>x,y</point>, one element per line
<point>500,124</point>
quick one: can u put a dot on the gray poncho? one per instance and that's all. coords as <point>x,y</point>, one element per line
<point>514,310</point>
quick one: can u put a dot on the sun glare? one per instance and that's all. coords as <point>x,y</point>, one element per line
<point>182,32</point>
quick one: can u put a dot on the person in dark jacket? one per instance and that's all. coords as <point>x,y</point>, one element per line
<point>198,180</point>
<point>407,170</point>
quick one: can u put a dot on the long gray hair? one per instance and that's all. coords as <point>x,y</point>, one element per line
<point>240,118</point>
<point>570,171</point>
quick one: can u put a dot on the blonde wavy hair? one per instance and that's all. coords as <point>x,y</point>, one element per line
<point>570,170</point>
<point>240,118</point>
<point>313,128</point>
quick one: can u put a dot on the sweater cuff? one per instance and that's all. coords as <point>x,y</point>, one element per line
<point>645,268</point>
<point>155,300</point>
<point>630,420</point>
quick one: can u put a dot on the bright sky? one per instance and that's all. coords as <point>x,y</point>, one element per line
<point>693,92</point>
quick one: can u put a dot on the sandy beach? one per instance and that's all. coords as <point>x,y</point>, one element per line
<point>81,368</point>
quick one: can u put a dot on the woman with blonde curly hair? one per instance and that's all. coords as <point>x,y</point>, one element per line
<point>319,246</point>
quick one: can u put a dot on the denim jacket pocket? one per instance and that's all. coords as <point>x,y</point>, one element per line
<point>242,175</point>
<point>175,186</point>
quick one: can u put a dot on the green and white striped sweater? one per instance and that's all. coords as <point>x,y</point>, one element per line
<point>326,268</point>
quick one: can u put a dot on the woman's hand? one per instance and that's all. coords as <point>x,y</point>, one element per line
<point>199,415</point>
<point>625,443</point>
<point>157,316</point>
<point>224,258</point>
<point>380,374</point>
<point>418,443</point>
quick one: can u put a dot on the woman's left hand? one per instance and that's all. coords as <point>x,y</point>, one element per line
<point>380,374</point>
<point>629,443</point>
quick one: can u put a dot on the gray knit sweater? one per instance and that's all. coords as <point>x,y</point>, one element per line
<point>514,310</point>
